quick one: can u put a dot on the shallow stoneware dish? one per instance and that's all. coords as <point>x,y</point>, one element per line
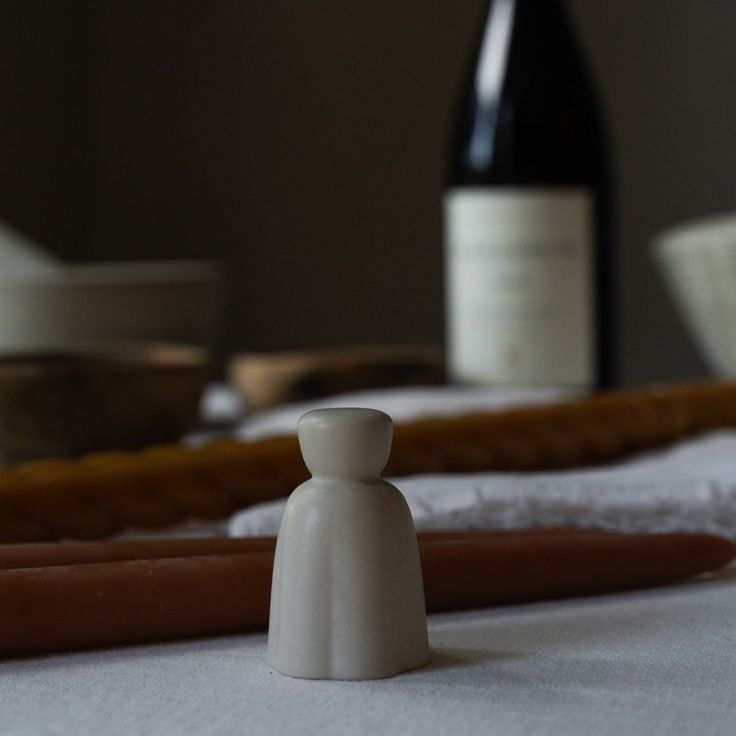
<point>698,261</point>
<point>157,301</point>
<point>78,401</point>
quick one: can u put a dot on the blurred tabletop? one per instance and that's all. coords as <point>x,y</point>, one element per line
<point>656,662</point>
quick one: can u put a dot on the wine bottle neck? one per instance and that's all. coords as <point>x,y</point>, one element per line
<point>512,27</point>
<point>494,51</point>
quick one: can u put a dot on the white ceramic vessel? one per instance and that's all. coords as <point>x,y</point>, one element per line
<point>698,261</point>
<point>347,600</point>
<point>46,304</point>
<point>170,301</point>
<point>20,256</point>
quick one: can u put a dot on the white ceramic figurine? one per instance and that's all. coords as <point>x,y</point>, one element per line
<point>347,601</point>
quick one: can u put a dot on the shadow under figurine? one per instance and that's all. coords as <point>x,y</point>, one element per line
<point>347,600</point>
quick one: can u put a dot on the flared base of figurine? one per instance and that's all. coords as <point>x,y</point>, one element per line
<point>348,672</point>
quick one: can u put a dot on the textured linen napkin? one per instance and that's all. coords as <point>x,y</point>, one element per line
<point>690,486</point>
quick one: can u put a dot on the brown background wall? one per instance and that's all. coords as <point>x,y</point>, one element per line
<point>302,144</point>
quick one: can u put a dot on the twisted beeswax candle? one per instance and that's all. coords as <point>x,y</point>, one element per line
<point>95,496</point>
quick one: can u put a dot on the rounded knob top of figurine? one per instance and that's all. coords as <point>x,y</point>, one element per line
<point>345,443</point>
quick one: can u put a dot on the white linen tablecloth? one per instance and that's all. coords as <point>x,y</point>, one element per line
<point>659,662</point>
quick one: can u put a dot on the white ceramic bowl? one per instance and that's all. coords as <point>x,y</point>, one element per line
<point>172,301</point>
<point>698,261</point>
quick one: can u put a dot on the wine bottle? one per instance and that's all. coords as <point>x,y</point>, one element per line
<point>527,229</point>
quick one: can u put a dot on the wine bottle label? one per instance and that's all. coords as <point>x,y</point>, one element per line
<point>519,285</point>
